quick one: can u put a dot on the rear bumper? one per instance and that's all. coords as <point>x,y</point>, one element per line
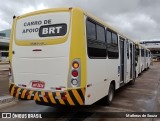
<point>67,97</point>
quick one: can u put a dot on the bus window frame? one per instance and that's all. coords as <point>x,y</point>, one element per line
<point>97,41</point>
<point>108,29</point>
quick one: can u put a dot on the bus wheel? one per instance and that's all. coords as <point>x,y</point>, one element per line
<point>132,82</point>
<point>110,95</point>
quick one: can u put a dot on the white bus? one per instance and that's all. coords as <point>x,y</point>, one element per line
<point>143,59</point>
<point>66,56</point>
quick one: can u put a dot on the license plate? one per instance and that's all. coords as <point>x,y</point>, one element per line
<point>38,84</point>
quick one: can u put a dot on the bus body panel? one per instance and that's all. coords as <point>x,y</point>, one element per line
<point>44,63</point>
<point>100,78</point>
<point>58,54</point>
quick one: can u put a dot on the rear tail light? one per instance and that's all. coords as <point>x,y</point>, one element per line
<point>75,65</point>
<point>74,75</point>
<point>58,88</point>
<point>23,85</point>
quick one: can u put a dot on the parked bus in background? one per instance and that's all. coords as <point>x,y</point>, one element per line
<point>66,56</point>
<point>143,59</point>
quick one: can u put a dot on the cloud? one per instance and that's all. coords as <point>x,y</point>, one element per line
<point>138,19</point>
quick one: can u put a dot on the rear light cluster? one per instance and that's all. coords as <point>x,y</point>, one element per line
<point>75,74</point>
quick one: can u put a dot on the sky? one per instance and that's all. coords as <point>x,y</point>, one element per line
<point>138,19</point>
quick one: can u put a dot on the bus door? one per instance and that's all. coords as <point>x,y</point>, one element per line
<point>128,62</point>
<point>122,78</point>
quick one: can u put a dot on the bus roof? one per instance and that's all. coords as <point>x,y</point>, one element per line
<point>43,11</point>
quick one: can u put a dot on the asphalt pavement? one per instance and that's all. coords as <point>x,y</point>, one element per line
<point>144,96</point>
<point>4,83</point>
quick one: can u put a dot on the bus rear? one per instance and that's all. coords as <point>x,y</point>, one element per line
<point>46,58</point>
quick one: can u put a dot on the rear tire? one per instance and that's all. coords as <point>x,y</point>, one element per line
<point>110,95</point>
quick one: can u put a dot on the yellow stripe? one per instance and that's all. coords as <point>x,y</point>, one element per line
<point>51,97</point>
<point>83,91</point>
<point>11,41</point>
<point>69,99</point>
<point>17,93</point>
<point>77,97</point>
<point>36,97</point>
<point>43,93</point>
<point>60,100</point>
<point>12,90</point>
<point>78,41</point>
<point>23,93</point>
<point>29,96</point>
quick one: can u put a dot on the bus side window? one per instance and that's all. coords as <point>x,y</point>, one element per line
<point>96,44</point>
<point>91,30</point>
<point>142,52</point>
<point>112,45</point>
<point>146,53</point>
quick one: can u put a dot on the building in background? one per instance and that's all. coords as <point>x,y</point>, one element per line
<point>154,46</point>
<point>5,33</point>
<point>4,44</point>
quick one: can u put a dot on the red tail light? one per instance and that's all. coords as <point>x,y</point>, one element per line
<point>23,85</point>
<point>75,73</point>
<point>58,88</point>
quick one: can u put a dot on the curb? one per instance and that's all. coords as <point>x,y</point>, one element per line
<point>6,100</point>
